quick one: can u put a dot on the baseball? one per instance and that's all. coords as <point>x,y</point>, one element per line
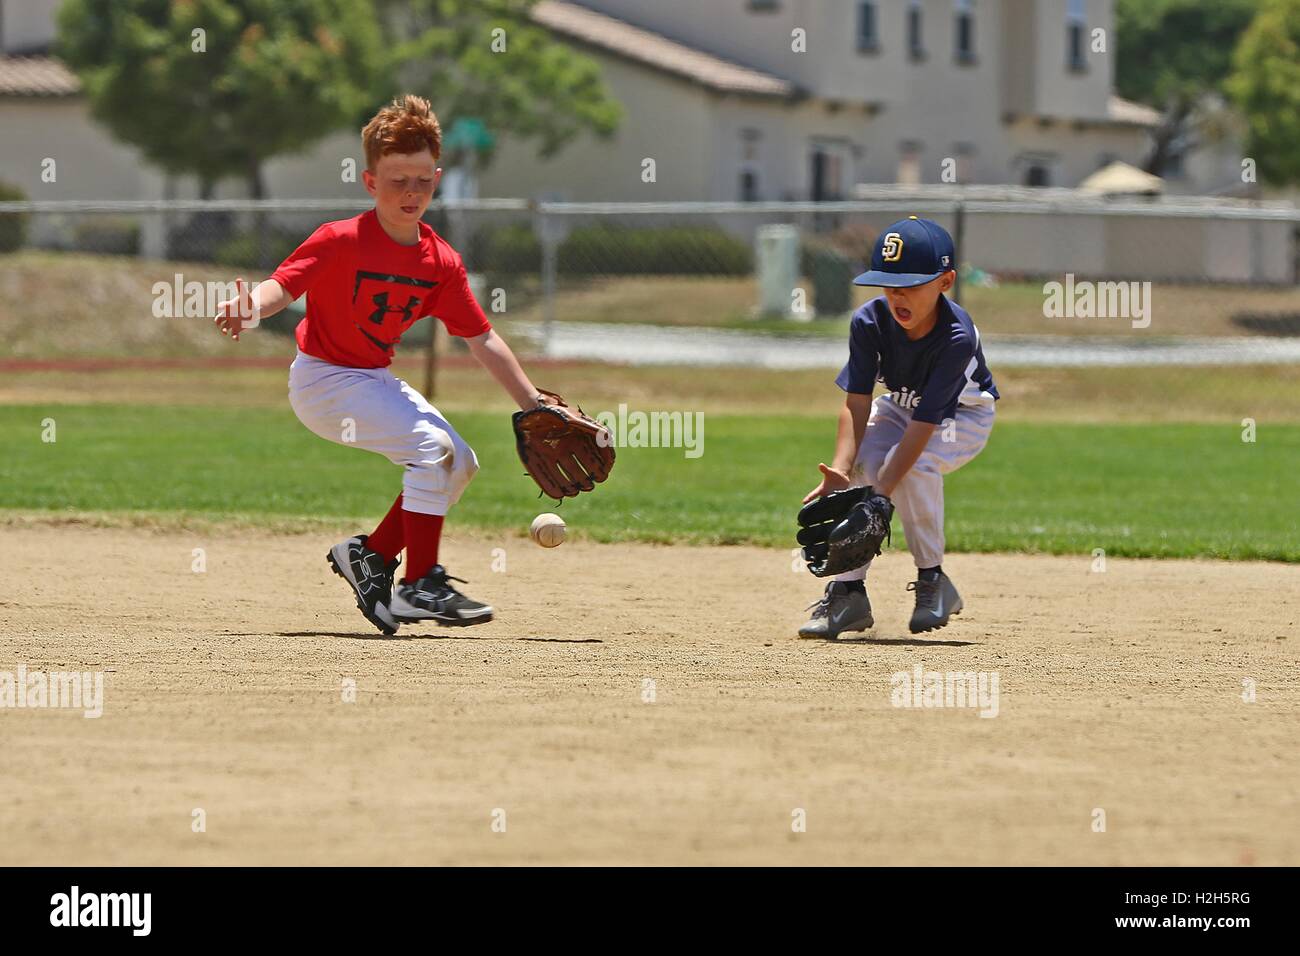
<point>548,530</point>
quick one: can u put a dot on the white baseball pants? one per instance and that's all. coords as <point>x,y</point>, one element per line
<point>371,408</point>
<point>918,498</point>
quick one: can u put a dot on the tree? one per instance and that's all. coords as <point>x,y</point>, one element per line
<point>485,59</point>
<point>1171,54</point>
<point>1266,88</point>
<point>214,88</point>
<point>217,87</point>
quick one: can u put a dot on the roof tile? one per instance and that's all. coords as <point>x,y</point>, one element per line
<point>36,76</point>
<point>644,46</point>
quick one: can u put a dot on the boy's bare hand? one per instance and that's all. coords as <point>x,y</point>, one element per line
<point>832,480</point>
<point>234,314</point>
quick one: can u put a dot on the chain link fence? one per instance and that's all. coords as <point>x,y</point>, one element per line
<point>1059,278</point>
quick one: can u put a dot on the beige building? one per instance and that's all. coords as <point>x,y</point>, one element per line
<point>723,100</point>
<point>802,99</point>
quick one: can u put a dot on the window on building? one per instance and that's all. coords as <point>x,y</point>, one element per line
<point>1037,169</point>
<point>868,37</point>
<point>827,176</point>
<point>1038,174</point>
<point>964,32</point>
<point>831,170</point>
<point>763,6</point>
<point>915,38</point>
<point>750,180</point>
<point>909,164</point>
<point>964,158</point>
<point>1076,35</point>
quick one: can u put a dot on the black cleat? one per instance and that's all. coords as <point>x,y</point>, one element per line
<point>432,598</point>
<point>370,577</point>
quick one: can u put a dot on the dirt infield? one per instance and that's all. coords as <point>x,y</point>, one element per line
<point>1119,692</point>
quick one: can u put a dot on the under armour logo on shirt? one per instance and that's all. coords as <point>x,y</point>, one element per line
<point>382,311</point>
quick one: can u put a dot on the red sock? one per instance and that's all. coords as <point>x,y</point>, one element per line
<point>388,539</point>
<point>423,532</point>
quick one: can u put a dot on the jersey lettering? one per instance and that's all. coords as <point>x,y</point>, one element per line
<point>906,398</point>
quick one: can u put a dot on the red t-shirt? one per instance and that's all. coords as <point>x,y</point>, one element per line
<point>364,290</point>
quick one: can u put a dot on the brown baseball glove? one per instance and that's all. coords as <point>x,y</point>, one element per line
<point>563,450</point>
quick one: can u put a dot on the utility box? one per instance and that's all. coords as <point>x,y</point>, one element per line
<point>777,256</point>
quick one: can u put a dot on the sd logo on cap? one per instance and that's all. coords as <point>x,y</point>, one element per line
<point>910,252</point>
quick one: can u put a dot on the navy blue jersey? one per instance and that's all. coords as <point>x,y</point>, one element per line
<point>929,377</point>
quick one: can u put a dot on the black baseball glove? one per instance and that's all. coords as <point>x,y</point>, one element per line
<point>843,530</point>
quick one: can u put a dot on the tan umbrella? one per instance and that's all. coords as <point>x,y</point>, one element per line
<point>1120,178</point>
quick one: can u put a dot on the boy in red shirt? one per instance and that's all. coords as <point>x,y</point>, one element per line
<point>368,280</point>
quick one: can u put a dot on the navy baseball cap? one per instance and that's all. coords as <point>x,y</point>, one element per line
<point>910,252</point>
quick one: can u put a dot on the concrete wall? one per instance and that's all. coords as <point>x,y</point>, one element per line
<point>1035,245</point>
<point>1139,248</point>
<point>1232,248</point>
<point>1144,248</point>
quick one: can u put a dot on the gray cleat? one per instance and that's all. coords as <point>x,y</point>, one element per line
<point>837,611</point>
<point>936,599</point>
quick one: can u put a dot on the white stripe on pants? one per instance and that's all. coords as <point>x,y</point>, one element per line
<point>918,498</point>
<point>371,408</point>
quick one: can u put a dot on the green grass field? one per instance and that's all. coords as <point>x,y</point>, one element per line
<point>1139,490</point>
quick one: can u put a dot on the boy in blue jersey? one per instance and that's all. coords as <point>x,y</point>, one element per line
<point>934,416</point>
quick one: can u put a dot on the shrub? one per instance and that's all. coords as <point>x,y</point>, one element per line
<point>664,250</point>
<point>509,250</point>
<point>616,250</point>
<point>13,225</point>
<point>853,241</point>
<point>241,250</point>
<point>110,235</point>
<point>199,236</point>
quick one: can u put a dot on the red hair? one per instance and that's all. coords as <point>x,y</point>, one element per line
<point>407,125</point>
